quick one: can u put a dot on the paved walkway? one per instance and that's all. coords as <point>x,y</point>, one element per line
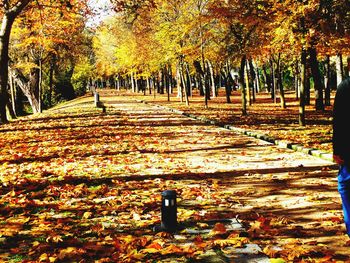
<point>205,151</point>
<point>80,184</point>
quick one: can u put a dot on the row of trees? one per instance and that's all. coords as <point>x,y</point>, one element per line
<point>44,48</point>
<point>163,44</point>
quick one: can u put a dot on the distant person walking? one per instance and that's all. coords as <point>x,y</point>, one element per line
<point>341,145</point>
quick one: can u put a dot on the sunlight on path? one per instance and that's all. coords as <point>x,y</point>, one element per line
<point>78,177</point>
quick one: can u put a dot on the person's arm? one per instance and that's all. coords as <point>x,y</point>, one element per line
<point>341,138</point>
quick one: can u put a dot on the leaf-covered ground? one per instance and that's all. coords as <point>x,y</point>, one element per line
<point>81,186</point>
<point>264,115</point>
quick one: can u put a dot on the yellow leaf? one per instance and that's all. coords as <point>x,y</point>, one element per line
<point>172,249</point>
<point>271,251</point>
<point>35,243</point>
<point>68,253</point>
<point>43,257</point>
<point>87,215</point>
<point>276,260</point>
<point>235,242</point>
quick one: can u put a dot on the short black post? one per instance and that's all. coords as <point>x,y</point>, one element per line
<point>169,212</point>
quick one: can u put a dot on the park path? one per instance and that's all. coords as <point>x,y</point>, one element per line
<point>291,192</point>
<point>80,184</point>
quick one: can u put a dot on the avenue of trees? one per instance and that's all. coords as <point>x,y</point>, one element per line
<point>169,46</point>
<point>208,44</point>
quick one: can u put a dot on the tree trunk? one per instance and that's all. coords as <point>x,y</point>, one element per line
<point>179,80</point>
<point>11,106</point>
<point>40,81</point>
<point>273,82</point>
<point>243,85</point>
<point>6,25</point>
<point>319,105</point>
<point>29,87</point>
<point>13,95</point>
<point>257,79</point>
<point>201,76</point>
<point>183,82</point>
<point>188,80</point>
<point>307,84</point>
<point>267,79</point>
<point>137,84</point>
<point>212,81</point>
<point>296,79</point>
<point>51,72</point>
<point>154,87</point>
<point>247,84</point>
<point>132,82</point>
<point>339,68</point>
<point>8,17</point>
<point>148,86</point>
<point>252,78</point>
<point>327,80</point>
<point>303,75</point>
<point>280,82</point>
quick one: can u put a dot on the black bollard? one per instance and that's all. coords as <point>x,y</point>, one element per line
<point>169,212</point>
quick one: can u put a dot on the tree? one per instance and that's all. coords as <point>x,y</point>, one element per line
<point>33,13</point>
<point>9,12</point>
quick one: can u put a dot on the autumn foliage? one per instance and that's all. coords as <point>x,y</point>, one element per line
<point>81,185</point>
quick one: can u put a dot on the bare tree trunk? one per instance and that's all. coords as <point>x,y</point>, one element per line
<point>212,81</point>
<point>273,82</point>
<point>296,79</point>
<point>243,85</point>
<point>319,105</point>
<point>252,79</point>
<point>183,82</point>
<point>201,75</point>
<point>132,82</point>
<point>247,84</point>
<point>40,82</point>
<point>339,68</point>
<point>307,84</point>
<point>327,80</point>
<point>6,25</point>
<point>179,81</point>
<point>51,73</point>
<point>303,75</point>
<point>13,95</point>
<point>257,79</point>
<point>280,82</point>
<point>148,87</point>
<point>154,87</point>
<point>188,80</point>
<point>267,79</point>
<point>29,87</point>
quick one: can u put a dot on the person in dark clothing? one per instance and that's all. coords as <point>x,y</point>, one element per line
<point>341,145</point>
